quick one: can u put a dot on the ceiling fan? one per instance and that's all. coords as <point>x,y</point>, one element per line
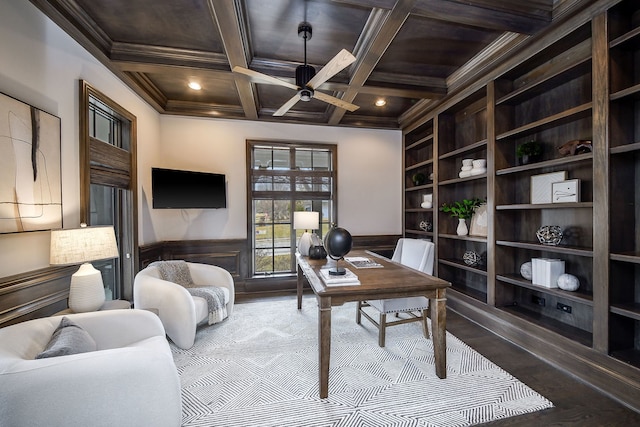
<point>307,81</point>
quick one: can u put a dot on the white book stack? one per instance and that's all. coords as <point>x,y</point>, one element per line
<point>347,279</point>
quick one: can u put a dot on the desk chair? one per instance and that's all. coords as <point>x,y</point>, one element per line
<point>417,254</point>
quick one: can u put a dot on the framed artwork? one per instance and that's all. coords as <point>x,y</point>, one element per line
<point>479,222</point>
<point>566,191</point>
<point>541,186</point>
<point>30,181</point>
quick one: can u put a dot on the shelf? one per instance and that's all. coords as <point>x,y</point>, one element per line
<point>626,310</point>
<point>546,164</point>
<point>476,146</point>
<point>625,38</point>
<point>568,250</point>
<point>419,142</point>
<point>527,206</point>
<point>567,116</point>
<point>632,257</point>
<point>419,187</point>
<point>583,337</point>
<point>462,266</point>
<point>631,92</point>
<point>459,180</point>
<point>418,210</point>
<point>418,165</point>
<point>625,148</point>
<point>568,72</point>
<point>572,296</point>
<point>467,238</point>
<point>420,232</point>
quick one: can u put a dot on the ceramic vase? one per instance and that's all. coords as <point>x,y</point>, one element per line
<point>462,229</point>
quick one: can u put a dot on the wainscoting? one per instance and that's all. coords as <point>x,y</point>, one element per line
<point>234,255</point>
<point>38,293</point>
<point>44,292</point>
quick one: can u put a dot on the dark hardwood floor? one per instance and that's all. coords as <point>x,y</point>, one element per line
<point>576,404</point>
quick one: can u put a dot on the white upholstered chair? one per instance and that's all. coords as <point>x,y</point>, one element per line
<point>417,254</point>
<point>179,311</point>
<point>130,379</point>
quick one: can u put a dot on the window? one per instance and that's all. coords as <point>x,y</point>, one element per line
<point>284,178</point>
<point>108,183</point>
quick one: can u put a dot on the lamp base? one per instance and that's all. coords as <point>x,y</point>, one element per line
<point>86,292</point>
<point>338,271</point>
<point>304,244</point>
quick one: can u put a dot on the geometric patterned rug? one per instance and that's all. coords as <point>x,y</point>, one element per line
<point>260,368</point>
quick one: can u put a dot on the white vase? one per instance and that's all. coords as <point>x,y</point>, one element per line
<point>462,229</point>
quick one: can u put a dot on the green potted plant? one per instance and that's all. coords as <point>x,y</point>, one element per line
<point>529,152</point>
<point>462,210</point>
<point>418,178</point>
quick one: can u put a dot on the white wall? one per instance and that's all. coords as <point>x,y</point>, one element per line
<point>369,175</point>
<point>41,65</point>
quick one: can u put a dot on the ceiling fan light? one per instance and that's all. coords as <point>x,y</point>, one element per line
<point>306,95</point>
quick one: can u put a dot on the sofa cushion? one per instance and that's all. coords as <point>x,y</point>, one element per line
<point>68,338</point>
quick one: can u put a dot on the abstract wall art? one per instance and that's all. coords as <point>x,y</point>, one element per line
<point>30,178</point>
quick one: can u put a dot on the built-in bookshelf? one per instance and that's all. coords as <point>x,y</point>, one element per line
<point>579,82</point>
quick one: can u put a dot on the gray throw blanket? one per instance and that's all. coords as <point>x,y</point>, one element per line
<point>178,272</point>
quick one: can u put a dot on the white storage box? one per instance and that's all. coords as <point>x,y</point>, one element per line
<point>545,271</point>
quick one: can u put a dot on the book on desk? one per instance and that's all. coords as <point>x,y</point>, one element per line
<point>363,262</point>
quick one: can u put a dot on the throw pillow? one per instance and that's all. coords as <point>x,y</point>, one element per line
<point>68,338</point>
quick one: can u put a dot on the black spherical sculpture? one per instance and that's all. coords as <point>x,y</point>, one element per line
<point>338,242</point>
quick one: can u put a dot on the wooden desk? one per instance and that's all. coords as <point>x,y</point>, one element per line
<point>392,281</point>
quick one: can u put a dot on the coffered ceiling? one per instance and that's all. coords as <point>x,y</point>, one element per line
<point>408,52</point>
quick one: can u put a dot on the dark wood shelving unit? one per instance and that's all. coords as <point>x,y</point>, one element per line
<point>580,80</point>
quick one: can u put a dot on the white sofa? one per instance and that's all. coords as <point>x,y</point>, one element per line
<point>179,311</point>
<point>130,380</point>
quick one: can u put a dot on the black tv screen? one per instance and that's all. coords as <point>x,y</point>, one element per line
<point>178,189</point>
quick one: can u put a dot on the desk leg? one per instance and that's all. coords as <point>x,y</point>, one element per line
<point>439,329</point>
<point>324,344</point>
<point>299,287</point>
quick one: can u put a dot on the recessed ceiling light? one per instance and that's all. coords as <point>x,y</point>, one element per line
<point>380,102</point>
<point>195,86</point>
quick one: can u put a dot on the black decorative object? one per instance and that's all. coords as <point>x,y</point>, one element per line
<point>472,258</point>
<point>529,152</point>
<point>317,252</point>
<point>338,242</point>
<point>549,235</point>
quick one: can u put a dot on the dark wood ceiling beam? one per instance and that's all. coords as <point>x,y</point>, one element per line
<point>227,16</point>
<point>204,109</point>
<point>483,16</point>
<point>163,55</point>
<point>143,67</point>
<point>379,32</point>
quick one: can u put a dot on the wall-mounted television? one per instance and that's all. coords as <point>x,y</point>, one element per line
<point>180,189</point>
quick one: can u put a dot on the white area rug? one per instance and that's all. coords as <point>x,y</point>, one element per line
<point>260,368</point>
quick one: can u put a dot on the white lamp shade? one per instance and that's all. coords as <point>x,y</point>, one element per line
<point>303,220</point>
<point>80,245</point>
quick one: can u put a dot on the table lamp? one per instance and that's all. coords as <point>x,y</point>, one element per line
<point>81,246</point>
<point>305,220</point>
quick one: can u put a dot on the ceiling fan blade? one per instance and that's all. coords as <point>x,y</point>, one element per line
<point>287,106</point>
<point>263,78</point>
<point>335,101</point>
<point>333,67</point>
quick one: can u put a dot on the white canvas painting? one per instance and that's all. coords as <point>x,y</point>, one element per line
<point>30,183</point>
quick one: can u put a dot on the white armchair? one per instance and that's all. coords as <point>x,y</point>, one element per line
<point>179,311</point>
<point>419,255</point>
<point>130,380</point>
